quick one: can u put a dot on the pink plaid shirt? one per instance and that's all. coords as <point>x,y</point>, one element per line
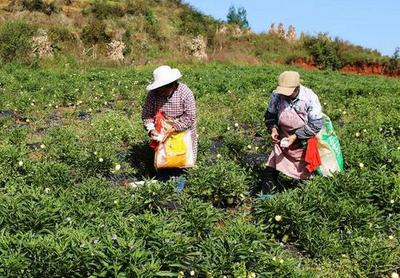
<point>180,107</point>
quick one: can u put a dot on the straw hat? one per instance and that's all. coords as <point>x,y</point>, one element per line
<point>287,82</point>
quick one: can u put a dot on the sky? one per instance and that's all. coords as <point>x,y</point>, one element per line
<point>372,24</point>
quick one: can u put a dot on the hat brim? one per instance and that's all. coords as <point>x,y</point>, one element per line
<point>157,84</point>
<point>286,91</point>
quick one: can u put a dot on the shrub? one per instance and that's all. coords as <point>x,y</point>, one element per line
<point>40,6</point>
<point>15,42</point>
<point>103,9</point>
<point>194,22</point>
<point>60,34</point>
<point>323,51</point>
<point>95,32</point>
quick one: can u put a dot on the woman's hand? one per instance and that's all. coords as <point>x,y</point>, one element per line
<point>169,133</point>
<point>291,139</point>
<point>275,135</point>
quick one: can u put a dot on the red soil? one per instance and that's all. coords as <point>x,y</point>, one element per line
<point>367,69</point>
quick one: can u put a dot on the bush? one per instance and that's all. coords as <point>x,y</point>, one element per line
<point>95,32</point>
<point>60,34</point>
<point>15,42</point>
<point>103,9</point>
<point>323,51</point>
<point>40,6</point>
<point>195,23</point>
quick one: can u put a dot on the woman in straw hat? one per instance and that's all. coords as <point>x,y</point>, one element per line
<point>294,115</point>
<point>176,102</point>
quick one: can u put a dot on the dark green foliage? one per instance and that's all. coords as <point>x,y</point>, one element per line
<point>40,6</point>
<point>238,17</point>
<point>15,42</point>
<point>324,52</point>
<point>95,32</point>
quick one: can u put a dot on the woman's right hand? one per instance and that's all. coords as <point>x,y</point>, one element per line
<point>275,135</point>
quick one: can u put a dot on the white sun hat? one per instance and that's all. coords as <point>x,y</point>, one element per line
<point>164,75</point>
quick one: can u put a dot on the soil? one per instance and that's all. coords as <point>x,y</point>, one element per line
<point>367,69</point>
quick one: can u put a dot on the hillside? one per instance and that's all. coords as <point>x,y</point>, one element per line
<point>151,31</point>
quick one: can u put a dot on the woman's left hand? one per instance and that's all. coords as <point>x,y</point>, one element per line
<point>169,133</point>
<point>291,139</point>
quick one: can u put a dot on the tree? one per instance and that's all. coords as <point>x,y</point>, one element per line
<point>238,17</point>
<point>393,64</point>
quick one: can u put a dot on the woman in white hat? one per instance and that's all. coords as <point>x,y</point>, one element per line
<point>176,101</point>
<point>294,114</point>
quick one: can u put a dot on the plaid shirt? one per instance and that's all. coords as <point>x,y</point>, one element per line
<point>180,107</point>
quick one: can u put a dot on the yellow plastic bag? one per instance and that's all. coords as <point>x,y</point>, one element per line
<point>175,152</point>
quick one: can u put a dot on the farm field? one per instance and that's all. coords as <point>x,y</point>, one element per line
<point>72,145</point>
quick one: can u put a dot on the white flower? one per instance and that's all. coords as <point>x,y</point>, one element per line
<point>394,275</point>
<point>364,130</point>
<point>357,134</point>
<point>236,125</point>
<point>96,241</point>
<point>47,190</point>
<point>380,129</point>
<point>392,201</point>
<point>251,275</point>
<point>391,237</point>
<point>192,273</point>
<point>219,156</point>
<point>281,261</point>
<point>325,103</point>
<point>82,245</point>
<point>101,159</point>
<point>20,163</point>
<point>114,237</point>
<point>390,161</point>
<point>228,128</point>
<point>68,219</point>
<point>344,112</point>
<point>361,165</point>
<point>117,167</point>
<point>278,218</point>
<point>256,148</point>
<point>274,259</point>
<point>95,153</point>
<point>116,202</point>
<point>42,146</point>
<point>249,147</point>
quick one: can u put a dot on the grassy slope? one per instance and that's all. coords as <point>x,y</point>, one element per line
<point>161,31</point>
